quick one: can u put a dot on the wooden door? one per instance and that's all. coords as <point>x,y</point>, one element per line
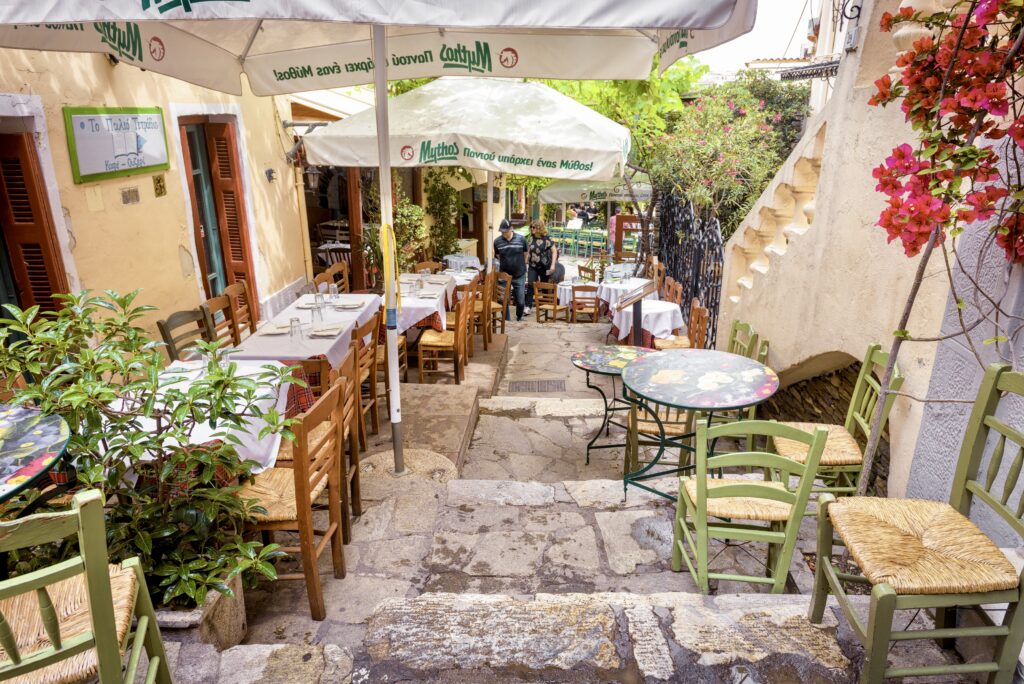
<point>225,175</point>
<point>28,232</point>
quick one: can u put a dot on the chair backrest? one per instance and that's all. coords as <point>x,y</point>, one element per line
<point>502,287</point>
<point>336,255</point>
<point>649,264</point>
<point>742,339</point>
<point>584,297</point>
<point>545,293</point>
<point>29,652</point>
<point>468,293</point>
<point>697,327</point>
<point>364,339</point>
<point>9,384</point>
<point>781,467</point>
<point>243,309</point>
<point>347,371</point>
<point>588,274</point>
<point>624,257</point>
<point>218,309</point>
<point>660,275</point>
<point>318,374</point>
<point>339,271</point>
<point>428,267</point>
<point>182,329</point>
<point>316,451</point>
<point>983,427</point>
<point>486,293</point>
<point>866,391</point>
<point>463,307</point>
<point>322,280</point>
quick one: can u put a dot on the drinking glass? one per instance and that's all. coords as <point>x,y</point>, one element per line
<point>319,302</point>
<point>294,328</point>
<point>332,291</point>
<point>316,314</point>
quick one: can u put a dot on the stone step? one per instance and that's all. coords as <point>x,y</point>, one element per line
<point>602,637</point>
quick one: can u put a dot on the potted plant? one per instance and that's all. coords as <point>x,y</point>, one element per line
<point>169,501</point>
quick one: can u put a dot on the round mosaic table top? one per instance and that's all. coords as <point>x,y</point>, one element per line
<point>607,359</point>
<point>30,445</point>
<point>700,379</point>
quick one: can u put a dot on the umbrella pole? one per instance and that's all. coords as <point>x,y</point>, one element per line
<point>488,219</point>
<point>388,247</point>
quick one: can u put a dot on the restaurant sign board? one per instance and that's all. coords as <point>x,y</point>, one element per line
<point>111,142</point>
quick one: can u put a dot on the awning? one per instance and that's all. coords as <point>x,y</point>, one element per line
<point>572,191</point>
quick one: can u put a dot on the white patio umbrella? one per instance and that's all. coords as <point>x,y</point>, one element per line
<point>497,125</point>
<point>615,190</point>
<point>286,46</point>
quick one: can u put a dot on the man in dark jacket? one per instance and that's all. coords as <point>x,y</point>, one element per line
<point>510,249</point>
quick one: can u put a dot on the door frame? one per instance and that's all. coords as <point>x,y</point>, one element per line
<point>20,113</point>
<point>181,114</point>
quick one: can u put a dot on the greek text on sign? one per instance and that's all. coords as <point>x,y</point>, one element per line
<point>113,142</point>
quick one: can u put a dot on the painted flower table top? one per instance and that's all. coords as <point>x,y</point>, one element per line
<point>607,359</point>
<point>700,379</point>
<point>30,445</point>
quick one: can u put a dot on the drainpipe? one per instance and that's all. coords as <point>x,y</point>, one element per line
<point>300,204</point>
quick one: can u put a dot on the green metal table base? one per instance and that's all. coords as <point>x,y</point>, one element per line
<point>610,407</point>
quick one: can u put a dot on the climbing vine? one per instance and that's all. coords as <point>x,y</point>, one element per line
<point>443,206</point>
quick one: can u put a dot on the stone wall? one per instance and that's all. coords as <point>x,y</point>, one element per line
<point>824,399</point>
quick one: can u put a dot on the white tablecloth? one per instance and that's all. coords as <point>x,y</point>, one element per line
<point>659,319</point>
<point>415,308</point>
<point>565,293</point>
<point>285,348</point>
<point>262,451</point>
<point>613,292</point>
<point>409,282</point>
<point>460,261</point>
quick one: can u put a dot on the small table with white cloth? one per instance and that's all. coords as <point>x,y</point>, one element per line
<point>424,298</point>
<point>273,340</point>
<point>462,261</point>
<point>611,291</point>
<point>660,319</point>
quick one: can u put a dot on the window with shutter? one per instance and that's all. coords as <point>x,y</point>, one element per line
<point>35,263</point>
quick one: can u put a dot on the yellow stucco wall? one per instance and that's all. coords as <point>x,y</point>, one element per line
<point>840,286</point>
<point>150,245</point>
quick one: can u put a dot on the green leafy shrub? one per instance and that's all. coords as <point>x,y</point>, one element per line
<point>169,501</point>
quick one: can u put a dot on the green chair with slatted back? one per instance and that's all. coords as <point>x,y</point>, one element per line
<point>843,459</point>
<point>927,555</point>
<point>742,339</point>
<point>740,508</point>
<point>182,329</point>
<point>72,621</point>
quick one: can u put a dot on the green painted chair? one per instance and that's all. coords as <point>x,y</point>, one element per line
<point>742,340</point>
<point>843,459</point>
<point>710,508</point>
<point>919,554</point>
<point>72,621</point>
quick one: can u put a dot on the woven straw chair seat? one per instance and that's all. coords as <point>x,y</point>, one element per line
<point>433,338</point>
<point>286,452</point>
<point>741,507</point>
<point>674,421</point>
<point>478,306</point>
<point>553,307</point>
<point>840,449</point>
<point>71,603</point>
<point>678,342</point>
<point>275,490</point>
<point>920,547</point>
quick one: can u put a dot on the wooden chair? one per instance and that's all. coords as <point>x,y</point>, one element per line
<point>709,508</point>
<point>243,309</point>
<point>502,290</point>
<point>336,255</point>
<point>660,276</point>
<point>673,291</point>
<point>649,264</point>
<point>742,339</point>
<point>318,374</point>
<point>927,555</point>
<point>588,274</point>
<point>483,305</point>
<point>545,300</point>
<point>696,330</point>
<point>9,385</point>
<point>624,257</point>
<point>182,329</point>
<point>841,463</point>
<point>72,621</point>
<point>322,280</point>
<point>340,273</point>
<point>218,312</point>
<point>288,494</point>
<point>434,346</point>
<point>467,291</point>
<point>585,302</point>
<point>428,267</point>
<point>383,362</point>
<point>364,340</point>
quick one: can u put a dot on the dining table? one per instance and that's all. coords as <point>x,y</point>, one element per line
<point>607,360</point>
<point>693,383</point>
<point>31,446</point>
<point>613,289</point>
<point>424,299</point>
<point>462,261</point>
<point>660,320</point>
<point>322,332</point>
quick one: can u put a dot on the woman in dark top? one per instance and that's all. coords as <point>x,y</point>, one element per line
<point>542,259</point>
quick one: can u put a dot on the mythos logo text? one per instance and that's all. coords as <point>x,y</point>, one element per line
<point>432,153</point>
<point>477,60</point>
<point>125,40</point>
